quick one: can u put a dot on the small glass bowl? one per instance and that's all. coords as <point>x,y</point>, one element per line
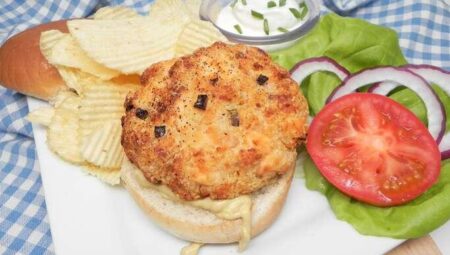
<point>210,10</point>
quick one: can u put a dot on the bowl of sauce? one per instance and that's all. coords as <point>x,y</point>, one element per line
<point>268,24</point>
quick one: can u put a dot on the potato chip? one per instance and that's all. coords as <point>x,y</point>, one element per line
<point>110,176</point>
<point>62,135</point>
<point>47,40</point>
<point>99,154</point>
<point>194,7</point>
<point>74,78</point>
<point>128,45</point>
<point>66,52</point>
<point>42,116</point>
<point>102,147</point>
<point>60,97</point>
<point>197,34</point>
<point>170,11</point>
<point>102,103</point>
<point>115,12</point>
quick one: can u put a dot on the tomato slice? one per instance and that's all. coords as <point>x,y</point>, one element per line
<point>373,149</point>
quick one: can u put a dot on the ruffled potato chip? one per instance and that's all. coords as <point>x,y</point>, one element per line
<point>194,7</point>
<point>115,12</point>
<point>42,116</point>
<point>75,78</point>
<point>66,52</point>
<point>128,45</point>
<point>101,103</point>
<point>102,147</point>
<point>63,136</point>
<point>109,176</point>
<point>99,158</point>
<point>196,34</point>
<point>48,40</point>
<point>60,97</point>
<point>170,11</point>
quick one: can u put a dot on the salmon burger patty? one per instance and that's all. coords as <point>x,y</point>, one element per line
<point>222,122</point>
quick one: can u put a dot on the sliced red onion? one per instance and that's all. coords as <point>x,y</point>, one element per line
<point>309,66</point>
<point>435,110</point>
<point>383,88</point>
<point>433,75</point>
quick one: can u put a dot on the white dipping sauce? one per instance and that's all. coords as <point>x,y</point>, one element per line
<point>239,13</point>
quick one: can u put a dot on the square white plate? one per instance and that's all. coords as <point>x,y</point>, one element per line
<point>89,217</point>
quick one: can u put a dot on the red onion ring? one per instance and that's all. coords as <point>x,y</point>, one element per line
<point>309,66</point>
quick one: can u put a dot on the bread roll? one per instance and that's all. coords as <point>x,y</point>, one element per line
<point>201,226</point>
<point>23,68</point>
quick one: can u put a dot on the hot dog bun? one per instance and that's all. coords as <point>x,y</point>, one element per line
<point>23,68</point>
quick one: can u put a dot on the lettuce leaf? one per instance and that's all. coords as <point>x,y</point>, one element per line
<point>411,220</point>
<point>357,44</point>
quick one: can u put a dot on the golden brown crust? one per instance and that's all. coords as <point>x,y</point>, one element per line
<point>23,68</point>
<point>246,136</point>
<point>157,73</point>
<point>185,223</point>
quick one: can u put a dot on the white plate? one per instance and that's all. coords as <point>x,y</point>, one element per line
<point>89,217</point>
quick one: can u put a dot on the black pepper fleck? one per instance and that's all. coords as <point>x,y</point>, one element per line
<point>141,113</point>
<point>160,131</point>
<point>201,102</point>
<point>214,81</point>
<point>160,107</point>
<point>262,79</point>
<point>129,107</point>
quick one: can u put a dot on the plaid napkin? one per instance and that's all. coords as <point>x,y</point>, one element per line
<point>424,31</point>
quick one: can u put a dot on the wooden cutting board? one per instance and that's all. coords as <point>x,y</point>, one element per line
<point>419,246</point>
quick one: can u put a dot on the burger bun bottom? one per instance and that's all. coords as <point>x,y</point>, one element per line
<point>199,225</point>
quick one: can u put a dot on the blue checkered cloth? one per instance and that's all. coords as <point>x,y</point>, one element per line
<point>424,31</point>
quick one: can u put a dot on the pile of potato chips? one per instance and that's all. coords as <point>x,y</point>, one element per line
<point>100,60</point>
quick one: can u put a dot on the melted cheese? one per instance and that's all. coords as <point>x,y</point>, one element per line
<point>230,209</point>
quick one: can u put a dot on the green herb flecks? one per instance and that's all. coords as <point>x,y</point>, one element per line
<point>271,4</point>
<point>304,10</point>
<point>234,3</point>
<point>282,3</point>
<point>266,27</point>
<point>238,28</point>
<point>257,15</point>
<point>244,2</point>
<point>296,13</point>
<point>283,30</point>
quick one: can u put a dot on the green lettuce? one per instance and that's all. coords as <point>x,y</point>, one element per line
<point>357,44</point>
<point>411,220</point>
